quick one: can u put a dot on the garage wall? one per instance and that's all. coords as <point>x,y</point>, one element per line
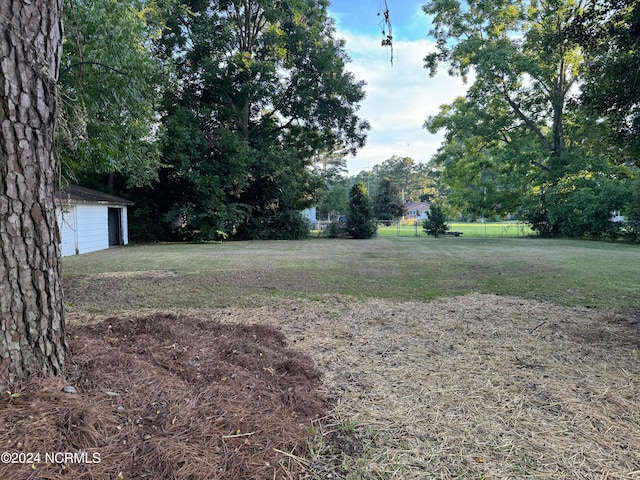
<point>125,227</point>
<point>68,230</point>
<point>93,228</point>
<point>84,228</point>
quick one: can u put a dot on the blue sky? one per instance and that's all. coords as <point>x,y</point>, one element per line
<point>399,97</point>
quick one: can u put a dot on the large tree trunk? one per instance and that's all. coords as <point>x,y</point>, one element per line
<point>32,337</point>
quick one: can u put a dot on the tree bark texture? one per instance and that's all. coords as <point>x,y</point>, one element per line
<point>32,337</point>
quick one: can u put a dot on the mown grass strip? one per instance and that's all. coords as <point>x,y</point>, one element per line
<point>572,273</point>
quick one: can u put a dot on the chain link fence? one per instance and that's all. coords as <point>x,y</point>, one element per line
<point>413,228</point>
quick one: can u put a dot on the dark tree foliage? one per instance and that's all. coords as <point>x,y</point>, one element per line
<point>388,204</point>
<point>631,212</point>
<point>260,88</point>
<point>361,222</point>
<point>109,87</point>
<point>436,222</point>
<point>610,34</point>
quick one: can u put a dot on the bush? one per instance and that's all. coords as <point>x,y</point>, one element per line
<point>631,213</point>
<point>279,225</point>
<point>335,229</point>
<point>580,207</point>
<point>436,223</point>
<point>292,225</point>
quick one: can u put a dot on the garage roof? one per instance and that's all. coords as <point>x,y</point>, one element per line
<point>78,194</point>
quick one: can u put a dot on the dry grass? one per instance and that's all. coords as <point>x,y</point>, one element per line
<point>479,386</point>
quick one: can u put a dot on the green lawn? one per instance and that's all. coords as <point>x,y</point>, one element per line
<point>567,272</point>
<point>501,230</point>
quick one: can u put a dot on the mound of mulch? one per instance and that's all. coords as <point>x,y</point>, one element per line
<point>166,397</point>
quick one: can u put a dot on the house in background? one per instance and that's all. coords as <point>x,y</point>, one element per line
<point>311,214</point>
<point>417,210</point>
<point>90,220</point>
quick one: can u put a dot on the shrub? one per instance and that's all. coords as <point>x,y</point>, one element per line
<point>278,225</point>
<point>335,229</point>
<point>292,225</point>
<point>631,213</point>
<point>435,224</point>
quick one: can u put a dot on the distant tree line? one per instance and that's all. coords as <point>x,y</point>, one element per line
<point>390,185</point>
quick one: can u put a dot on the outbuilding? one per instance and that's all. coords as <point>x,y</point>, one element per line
<point>90,220</point>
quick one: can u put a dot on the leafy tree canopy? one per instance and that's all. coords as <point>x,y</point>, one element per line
<point>520,141</point>
<point>265,87</point>
<point>109,85</point>
<point>609,32</point>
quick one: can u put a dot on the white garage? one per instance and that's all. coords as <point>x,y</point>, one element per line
<point>90,220</point>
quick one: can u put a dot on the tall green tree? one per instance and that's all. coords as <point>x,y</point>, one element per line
<point>518,129</point>
<point>426,183</point>
<point>412,179</point>
<point>399,170</point>
<point>110,84</point>
<point>388,204</point>
<point>263,88</point>
<point>486,166</point>
<point>415,181</point>
<point>609,33</point>
<point>361,222</point>
<point>520,53</point>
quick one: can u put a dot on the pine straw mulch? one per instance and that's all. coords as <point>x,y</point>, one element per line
<point>165,397</point>
<point>479,386</point>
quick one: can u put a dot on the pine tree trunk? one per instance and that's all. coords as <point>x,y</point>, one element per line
<point>32,337</point>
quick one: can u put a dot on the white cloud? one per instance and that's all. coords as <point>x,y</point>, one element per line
<point>399,98</point>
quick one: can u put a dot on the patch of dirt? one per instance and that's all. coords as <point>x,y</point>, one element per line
<point>167,397</point>
<point>141,274</point>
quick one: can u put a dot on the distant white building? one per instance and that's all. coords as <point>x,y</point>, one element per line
<point>311,214</point>
<point>90,220</point>
<point>617,218</point>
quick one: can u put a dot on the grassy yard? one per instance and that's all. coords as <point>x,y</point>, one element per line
<point>570,273</point>
<point>501,230</point>
<point>449,358</point>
